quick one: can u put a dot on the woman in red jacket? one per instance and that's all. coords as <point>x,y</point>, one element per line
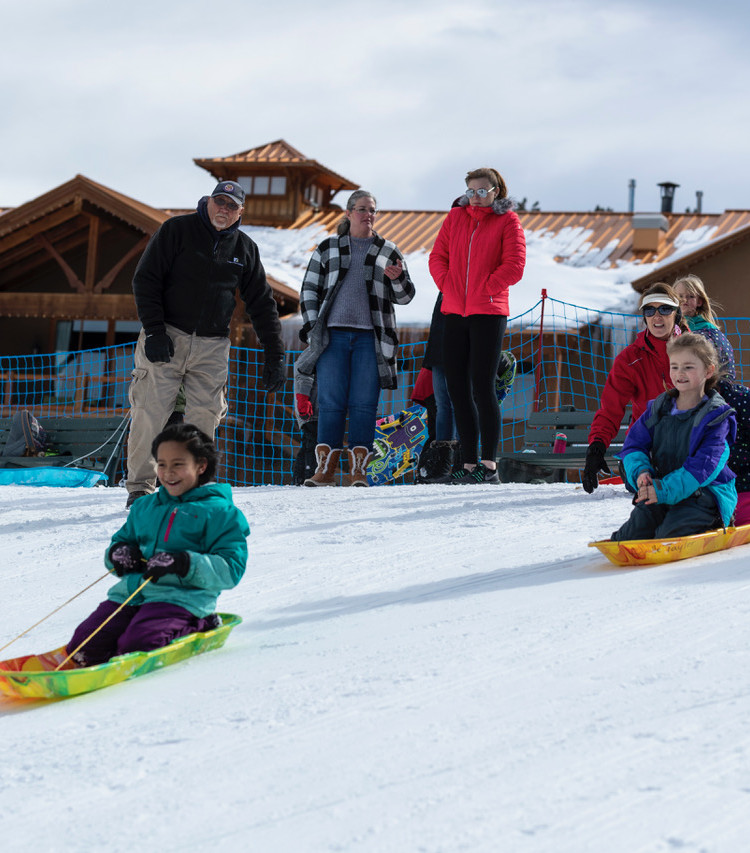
<point>479,253</point>
<point>639,374</point>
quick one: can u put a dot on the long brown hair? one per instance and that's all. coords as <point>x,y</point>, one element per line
<point>491,175</point>
<point>695,287</point>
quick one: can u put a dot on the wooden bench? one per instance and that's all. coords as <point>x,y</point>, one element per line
<point>93,443</point>
<point>539,439</point>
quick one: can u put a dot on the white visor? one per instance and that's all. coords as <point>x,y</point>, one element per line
<point>660,299</point>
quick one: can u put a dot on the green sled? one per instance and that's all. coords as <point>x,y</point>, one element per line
<point>35,676</point>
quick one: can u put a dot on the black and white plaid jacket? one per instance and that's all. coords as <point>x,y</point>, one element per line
<point>326,270</point>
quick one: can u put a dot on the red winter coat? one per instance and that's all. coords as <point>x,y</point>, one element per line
<point>478,254</point>
<point>639,374</point>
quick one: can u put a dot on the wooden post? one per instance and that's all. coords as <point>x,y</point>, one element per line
<point>92,254</point>
<point>540,353</point>
<point>558,373</point>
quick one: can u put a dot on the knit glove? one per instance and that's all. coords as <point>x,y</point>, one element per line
<point>274,373</point>
<point>126,559</point>
<point>165,563</point>
<point>594,464</point>
<point>304,406</point>
<point>159,347</point>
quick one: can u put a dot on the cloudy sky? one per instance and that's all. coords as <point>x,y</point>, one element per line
<point>568,99</point>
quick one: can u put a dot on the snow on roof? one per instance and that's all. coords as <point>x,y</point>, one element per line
<point>563,262</point>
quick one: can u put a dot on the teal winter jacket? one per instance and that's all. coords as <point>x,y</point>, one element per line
<point>203,522</point>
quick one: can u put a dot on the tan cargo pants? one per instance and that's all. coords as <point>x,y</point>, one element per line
<point>201,366</point>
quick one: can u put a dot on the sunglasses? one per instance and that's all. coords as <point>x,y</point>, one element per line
<point>664,310</point>
<point>482,192</point>
<point>223,201</point>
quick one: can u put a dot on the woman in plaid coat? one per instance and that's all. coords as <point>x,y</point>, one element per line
<point>347,297</point>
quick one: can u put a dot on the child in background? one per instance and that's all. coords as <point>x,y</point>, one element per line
<point>699,315</point>
<point>676,453</point>
<point>188,537</point>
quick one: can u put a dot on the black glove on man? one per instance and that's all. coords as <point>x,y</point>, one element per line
<point>159,347</point>
<point>594,464</point>
<point>165,563</point>
<point>126,559</point>
<point>274,373</point>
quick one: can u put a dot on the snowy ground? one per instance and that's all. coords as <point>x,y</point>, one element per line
<point>428,668</point>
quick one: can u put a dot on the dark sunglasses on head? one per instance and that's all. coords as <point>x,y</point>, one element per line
<point>664,310</point>
<point>223,201</point>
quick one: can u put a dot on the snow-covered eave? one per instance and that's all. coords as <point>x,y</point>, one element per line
<point>683,258</point>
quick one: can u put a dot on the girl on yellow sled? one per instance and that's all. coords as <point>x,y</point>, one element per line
<point>675,454</point>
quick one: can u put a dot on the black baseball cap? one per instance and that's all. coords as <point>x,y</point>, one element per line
<point>231,189</point>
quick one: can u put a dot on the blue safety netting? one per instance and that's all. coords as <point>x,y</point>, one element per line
<point>564,354</point>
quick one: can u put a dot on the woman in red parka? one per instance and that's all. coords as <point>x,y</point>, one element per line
<point>639,374</point>
<point>479,253</point>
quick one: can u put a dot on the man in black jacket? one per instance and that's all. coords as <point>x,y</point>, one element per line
<point>184,286</point>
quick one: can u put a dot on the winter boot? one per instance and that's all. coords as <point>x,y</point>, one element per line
<point>427,463</point>
<point>358,459</point>
<point>306,463</point>
<point>436,463</point>
<point>454,464</point>
<point>328,461</point>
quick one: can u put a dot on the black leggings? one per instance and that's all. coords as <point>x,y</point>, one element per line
<point>471,355</point>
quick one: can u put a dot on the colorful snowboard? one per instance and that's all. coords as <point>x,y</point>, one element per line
<point>35,676</point>
<point>506,375</point>
<point>650,552</point>
<point>397,445</point>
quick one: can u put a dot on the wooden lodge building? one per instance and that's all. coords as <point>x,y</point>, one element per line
<point>67,258</point>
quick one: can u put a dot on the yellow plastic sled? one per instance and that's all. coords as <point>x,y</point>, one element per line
<point>36,677</point>
<point>651,552</point>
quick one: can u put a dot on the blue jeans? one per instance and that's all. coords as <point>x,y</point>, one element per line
<point>348,380</point>
<point>445,424</point>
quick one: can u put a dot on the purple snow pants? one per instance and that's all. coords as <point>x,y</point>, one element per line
<point>134,629</point>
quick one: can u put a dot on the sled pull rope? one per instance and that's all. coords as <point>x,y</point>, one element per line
<point>121,427</point>
<point>24,633</point>
<point>96,630</point>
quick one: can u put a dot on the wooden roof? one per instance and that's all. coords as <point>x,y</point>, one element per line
<point>607,236</point>
<point>76,192</point>
<point>273,154</point>
<point>61,221</point>
<point>724,238</point>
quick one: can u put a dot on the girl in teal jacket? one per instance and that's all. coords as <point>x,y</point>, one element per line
<point>188,538</point>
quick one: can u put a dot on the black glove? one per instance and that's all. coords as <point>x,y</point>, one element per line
<point>126,559</point>
<point>165,563</point>
<point>594,464</point>
<point>159,347</point>
<point>304,332</point>
<point>274,373</point>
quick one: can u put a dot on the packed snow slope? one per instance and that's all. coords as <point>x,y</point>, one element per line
<point>421,668</point>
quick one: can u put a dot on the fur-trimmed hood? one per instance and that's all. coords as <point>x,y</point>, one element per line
<point>499,205</point>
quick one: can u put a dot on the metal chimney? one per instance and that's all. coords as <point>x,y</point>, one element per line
<point>631,195</point>
<point>667,196</point>
<point>699,201</point>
